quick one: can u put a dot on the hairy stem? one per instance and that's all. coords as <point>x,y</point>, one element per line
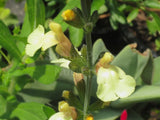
<point>88,82</point>
<point>86,8</point>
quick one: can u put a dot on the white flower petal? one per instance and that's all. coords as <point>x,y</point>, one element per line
<point>60,116</point>
<point>126,86</point>
<point>49,40</point>
<point>35,41</point>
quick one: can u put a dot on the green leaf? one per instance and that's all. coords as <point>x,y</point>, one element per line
<point>107,114</point>
<point>42,93</point>
<point>132,15</point>
<point>77,64</point>
<point>7,42</point>
<point>26,27</point>
<point>36,13</point>
<point>76,36</point>
<point>3,105</point>
<point>29,111</point>
<point>98,48</point>
<point>148,71</point>
<point>154,24</point>
<point>135,62</point>
<point>152,4</point>
<point>96,4</point>
<point>69,5</point>
<point>48,111</point>
<point>156,75</point>
<point>142,94</point>
<point>45,74</point>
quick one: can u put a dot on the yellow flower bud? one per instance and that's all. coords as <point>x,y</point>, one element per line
<point>90,117</point>
<point>65,94</point>
<point>68,15</point>
<point>63,106</point>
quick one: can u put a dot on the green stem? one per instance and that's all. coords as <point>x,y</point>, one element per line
<point>88,82</point>
<point>6,58</point>
<point>86,8</point>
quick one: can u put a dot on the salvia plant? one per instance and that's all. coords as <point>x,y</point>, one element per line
<point>46,76</point>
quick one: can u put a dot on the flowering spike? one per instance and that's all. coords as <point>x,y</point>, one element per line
<point>124,115</point>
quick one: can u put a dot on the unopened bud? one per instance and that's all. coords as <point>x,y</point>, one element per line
<point>68,15</point>
<point>65,94</point>
<point>90,117</point>
<point>73,17</point>
<point>63,106</point>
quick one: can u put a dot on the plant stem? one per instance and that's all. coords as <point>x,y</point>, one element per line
<point>86,8</point>
<point>6,58</point>
<point>88,82</point>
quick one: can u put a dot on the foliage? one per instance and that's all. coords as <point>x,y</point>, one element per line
<point>31,86</point>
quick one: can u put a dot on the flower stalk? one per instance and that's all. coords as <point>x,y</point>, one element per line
<point>86,6</point>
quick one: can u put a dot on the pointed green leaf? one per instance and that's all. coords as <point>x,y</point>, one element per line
<point>132,15</point>
<point>8,42</point>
